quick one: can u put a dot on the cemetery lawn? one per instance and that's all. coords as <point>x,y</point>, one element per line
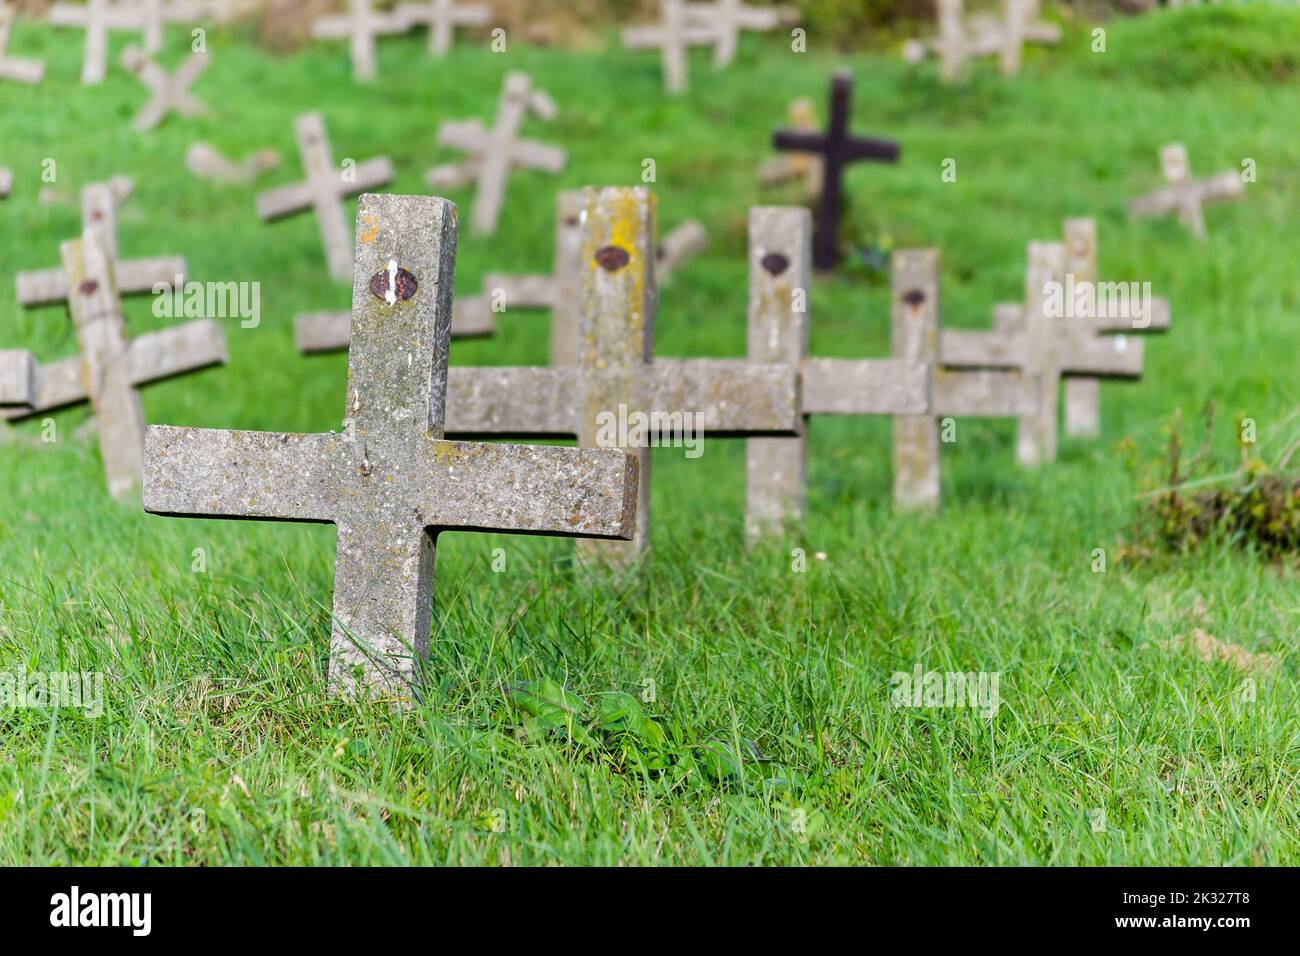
<point>217,743</point>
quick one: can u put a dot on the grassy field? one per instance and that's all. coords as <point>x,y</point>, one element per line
<point>218,744</point>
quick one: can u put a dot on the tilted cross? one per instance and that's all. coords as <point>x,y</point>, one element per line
<point>803,119</point>
<point>837,148</point>
<point>97,18</point>
<point>324,190</point>
<point>11,67</point>
<point>493,153</point>
<point>361,25</point>
<point>677,31</point>
<point>17,378</point>
<point>442,17</point>
<point>110,367</point>
<point>170,92</point>
<point>389,481</point>
<point>132,277</point>
<point>1046,346</point>
<point>204,160</point>
<point>728,17</point>
<point>1185,195</point>
<point>961,39</point>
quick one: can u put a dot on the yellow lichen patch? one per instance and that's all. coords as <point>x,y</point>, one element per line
<point>369,229</point>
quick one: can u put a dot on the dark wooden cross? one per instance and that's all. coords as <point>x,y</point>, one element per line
<point>838,149</point>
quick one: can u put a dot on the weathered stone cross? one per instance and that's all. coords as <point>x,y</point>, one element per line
<point>803,119</point>
<point>389,481</point>
<point>17,378</point>
<point>204,160</point>
<point>97,18</point>
<point>110,367</point>
<point>1047,346</point>
<point>361,25</point>
<point>11,67</point>
<point>674,35</point>
<point>728,18</point>
<point>170,91</point>
<point>961,39</point>
<point>1184,195</point>
<point>324,190</point>
<point>493,153</point>
<point>837,149</point>
<point>133,277</point>
<point>156,14</point>
<point>442,17</point>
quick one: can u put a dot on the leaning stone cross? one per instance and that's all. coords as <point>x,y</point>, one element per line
<point>493,153</point>
<point>1185,195</point>
<point>674,35</point>
<point>837,149</point>
<point>133,277</point>
<point>324,190</point>
<point>442,17</point>
<point>11,67</point>
<point>361,25</point>
<point>773,172</point>
<point>170,92</point>
<point>388,480</point>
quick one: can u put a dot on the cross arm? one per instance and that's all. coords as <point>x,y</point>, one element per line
<point>524,291</point>
<point>865,147</point>
<point>799,141</point>
<point>206,473</point>
<point>526,400</point>
<point>1100,356</point>
<point>17,378</point>
<point>278,203</point>
<point>157,356</point>
<point>732,396</point>
<point>872,387</point>
<point>968,348</point>
<point>984,394</point>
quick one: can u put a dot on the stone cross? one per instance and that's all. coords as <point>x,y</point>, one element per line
<point>132,277</point>
<point>961,39</point>
<point>493,153</point>
<point>319,332</point>
<point>780,280</point>
<point>837,148</point>
<point>12,67</point>
<point>324,190</point>
<point>615,372</point>
<point>1048,347</point>
<point>156,14</point>
<point>170,92</point>
<point>17,378</point>
<point>205,161</point>
<point>361,25</point>
<point>388,480</point>
<point>442,17</point>
<point>674,35</point>
<point>97,18</point>
<point>805,166</point>
<point>729,17</point>
<point>1185,195</point>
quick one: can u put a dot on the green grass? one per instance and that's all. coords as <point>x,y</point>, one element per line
<point>218,744</point>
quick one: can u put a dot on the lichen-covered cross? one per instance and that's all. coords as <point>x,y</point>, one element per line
<point>360,26</point>
<point>388,481</point>
<point>1185,195</point>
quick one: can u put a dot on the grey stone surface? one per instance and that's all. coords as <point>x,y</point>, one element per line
<point>169,92</point>
<point>97,18</point>
<point>360,26</point>
<point>675,33</point>
<point>790,166</point>
<point>17,378</point>
<point>317,332</point>
<point>99,203</point>
<point>206,162</point>
<point>442,17</point>
<point>1184,196</point>
<point>324,190</point>
<point>17,69</point>
<point>389,481</point>
<point>493,153</point>
<point>914,329</point>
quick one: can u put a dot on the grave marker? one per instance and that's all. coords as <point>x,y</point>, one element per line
<point>170,92</point>
<point>442,17</point>
<point>962,38</point>
<point>15,68</point>
<point>673,35</point>
<point>727,18</point>
<point>837,149</point>
<point>1185,195</point>
<point>98,18</point>
<point>360,26</point>
<point>493,153</point>
<point>132,277</point>
<point>205,161</point>
<point>389,481</point>
<point>805,166</point>
<point>324,190</point>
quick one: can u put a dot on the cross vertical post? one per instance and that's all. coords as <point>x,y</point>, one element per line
<point>915,335</point>
<point>1036,438</point>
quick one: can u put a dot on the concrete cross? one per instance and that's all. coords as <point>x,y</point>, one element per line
<point>837,148</point>
<point>324,190</point>
<point>156,14</point>
<point>205,161</point>
<point>780,281</point>
<point>97,18</point>
<point>961,39</point>
<point>361,25</point>
<point>615,372</point>
<point>170,92</point>
<point>15,68</point>
<point>442,17</point>
<point>728,18</point>
<point>17,378</point>
<point>132,277</point>
<point>805,166</point>
<point>389,481</point>
<point>1046,346</point>
<point>1185,195</point>
<point>674,35</point>
<point>493,153</point>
